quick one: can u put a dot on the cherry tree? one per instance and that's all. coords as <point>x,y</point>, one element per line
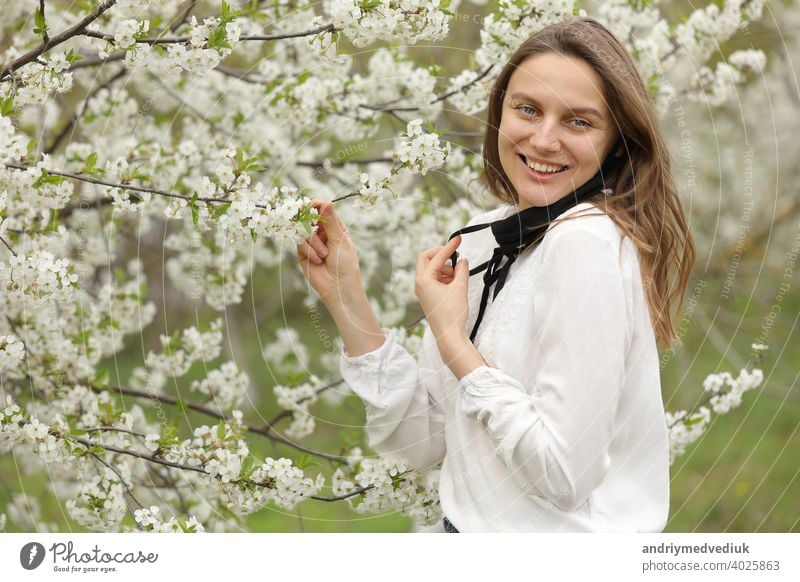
<point>203,129</point>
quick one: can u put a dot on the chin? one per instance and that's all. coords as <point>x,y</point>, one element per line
<point>536,198</point>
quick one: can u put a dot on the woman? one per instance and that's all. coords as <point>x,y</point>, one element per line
<point>542,401</point>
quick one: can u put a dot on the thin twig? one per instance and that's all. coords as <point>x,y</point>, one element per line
<point>267,432</point>
<point>56,40</point>
<point>113,429</point>
<point>121,478</point>
<point>97,60</point>
<point>8,246</point>
<point>104,201</point>
<point>45,36</point>
<point>184,39</point>
<point>200,470</point>
<point>353,493</point>
<point>340,163</point>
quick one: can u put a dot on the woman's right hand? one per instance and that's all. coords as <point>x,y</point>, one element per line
<point>329,258</point>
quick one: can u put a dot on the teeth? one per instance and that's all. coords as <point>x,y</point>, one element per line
<point>546,169</point>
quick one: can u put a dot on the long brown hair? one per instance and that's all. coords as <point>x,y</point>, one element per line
<point>644,203</point>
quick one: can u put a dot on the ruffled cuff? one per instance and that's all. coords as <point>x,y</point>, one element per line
<point>369,375</point>
<point>485,381</point>
<point>374,357</point>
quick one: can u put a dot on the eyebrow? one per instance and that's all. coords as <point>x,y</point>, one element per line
<point>577,110</point>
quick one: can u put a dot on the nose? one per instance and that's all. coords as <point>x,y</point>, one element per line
<point>544,137</point>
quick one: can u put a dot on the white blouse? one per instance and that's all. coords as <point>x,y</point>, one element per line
<point>566,430</point>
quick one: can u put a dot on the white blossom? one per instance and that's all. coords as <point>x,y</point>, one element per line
<point>421,151</point>
<point>151,520</point>
<point>12,352</point>
<point>405,20</point>
<point>100,503</point>
<point>226,387</point>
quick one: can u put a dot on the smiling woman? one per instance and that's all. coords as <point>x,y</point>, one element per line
<point>548,415</point>
<point>555,130</point>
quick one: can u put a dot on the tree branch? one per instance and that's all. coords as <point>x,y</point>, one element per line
<point>8,246</point>
<point>92,180</point>
<point>267,431</point>
<point>45,36</point>
<point>184,39</point>
<point>89,445</point>
<point>74,30</point>
<point>353,493</point>
<point>121,478</point>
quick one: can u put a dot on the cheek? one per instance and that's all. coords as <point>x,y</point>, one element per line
<point>510,132</point>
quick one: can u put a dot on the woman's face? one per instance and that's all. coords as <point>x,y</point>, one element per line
<point>554,118</point>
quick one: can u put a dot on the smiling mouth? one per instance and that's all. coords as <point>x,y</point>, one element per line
<point>542,171</point>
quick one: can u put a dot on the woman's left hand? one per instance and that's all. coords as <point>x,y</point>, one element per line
<point>442,291</point>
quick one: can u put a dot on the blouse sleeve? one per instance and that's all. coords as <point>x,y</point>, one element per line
<point>552,427</point>
<point>403,420</point>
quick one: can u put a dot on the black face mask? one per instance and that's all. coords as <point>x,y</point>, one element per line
<point>526,228</point>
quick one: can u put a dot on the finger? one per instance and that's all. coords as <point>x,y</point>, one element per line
<point>437,261</point>
<point>334,228</point>
<point>462,270</point>
<point>319,246</point>
<point>305,251</point>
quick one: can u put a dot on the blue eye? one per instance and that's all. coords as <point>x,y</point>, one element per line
<point>585,123</point>
<point>522,107</point>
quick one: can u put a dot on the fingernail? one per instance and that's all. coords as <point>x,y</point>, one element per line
<point>323,253</point>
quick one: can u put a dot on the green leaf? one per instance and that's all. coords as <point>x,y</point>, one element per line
<point>369,5</point>
<point>305,462</point>
<point>689,421</point>
<point>227,14</point>
<point>195,209</point>
<point>218,210</point>
<point>303,77</point>
<point>47,178</point>
<point>40,22</point>
<point>217,39</point>
<point>31,150</point>
<point>73,57</point>
<point>221,431</point>
<point>7,106</point>
<point>90,166</point>
<point>101,378</point>
<point>169,436</point>
<point>247,467</point>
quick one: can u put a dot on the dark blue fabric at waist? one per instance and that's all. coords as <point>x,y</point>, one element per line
<point>448,526</point>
